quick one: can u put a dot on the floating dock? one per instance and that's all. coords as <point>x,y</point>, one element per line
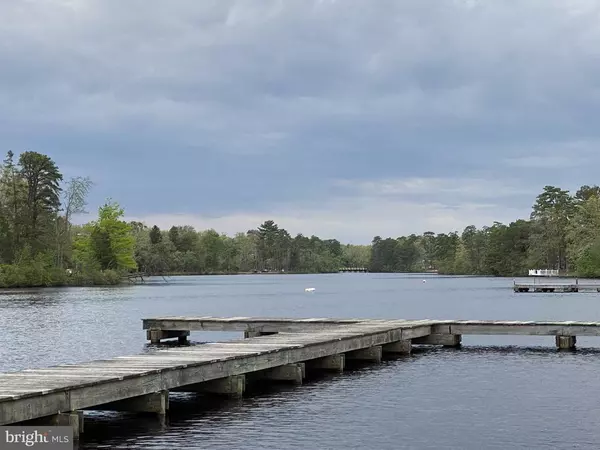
<point>559,287</point>
<point>281,350</point>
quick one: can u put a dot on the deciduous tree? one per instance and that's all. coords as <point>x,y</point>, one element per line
<point>108,241</point>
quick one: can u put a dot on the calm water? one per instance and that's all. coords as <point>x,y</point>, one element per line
<point>494,393</point>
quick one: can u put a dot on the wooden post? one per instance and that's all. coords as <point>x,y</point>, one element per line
<point>333,363</point>
<point>447,340</point>
<point>290,372</point>
<point>566,342</point>
<point>372,354</point>
<point>157,403</point>
<point>73,419</point>
<point>231,386</point>
<point>403,347</point>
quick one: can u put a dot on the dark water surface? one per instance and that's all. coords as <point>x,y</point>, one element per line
<point>494,393</point>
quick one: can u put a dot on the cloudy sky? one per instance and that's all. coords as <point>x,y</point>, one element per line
<point>345,119</point>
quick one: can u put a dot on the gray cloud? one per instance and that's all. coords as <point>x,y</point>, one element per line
<point>228,107</point>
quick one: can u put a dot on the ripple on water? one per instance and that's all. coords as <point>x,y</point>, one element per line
<point>516,393</point>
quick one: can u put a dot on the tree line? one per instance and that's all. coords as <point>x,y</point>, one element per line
<point>562,233</point>
<point>40,245</point>
<point>268,248</point>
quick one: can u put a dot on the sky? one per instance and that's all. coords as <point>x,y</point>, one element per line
<point>345,119</point>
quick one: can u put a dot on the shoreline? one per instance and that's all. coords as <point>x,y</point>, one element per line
<point>130,280</point>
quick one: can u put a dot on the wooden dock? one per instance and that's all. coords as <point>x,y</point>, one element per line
<point>353,269</point>
<point>277,349</point>
<point>558,287</point>
<point>161,328</point>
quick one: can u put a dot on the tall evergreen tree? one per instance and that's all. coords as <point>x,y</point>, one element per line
<point>42,178</point>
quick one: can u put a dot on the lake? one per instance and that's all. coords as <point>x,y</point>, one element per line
<point>514,392</point>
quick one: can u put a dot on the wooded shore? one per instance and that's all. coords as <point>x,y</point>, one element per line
<point>41,246</point>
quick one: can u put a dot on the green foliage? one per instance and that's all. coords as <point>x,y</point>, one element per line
<point>40,271</point>
<point>155,235</point>
<point>583,236</point>
<point>42,179</point>
<point>586,192</point>
<point>550,217</point>
<point>107,243</point>
<point>588,261</point>
<point>268,248</point>
<point>92,277</point>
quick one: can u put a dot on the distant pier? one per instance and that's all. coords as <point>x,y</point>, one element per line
<point>273,349</point>
<point>557,287</point>
<point>354,269</point>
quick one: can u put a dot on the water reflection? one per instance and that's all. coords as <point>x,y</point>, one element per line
<point>199,414</point>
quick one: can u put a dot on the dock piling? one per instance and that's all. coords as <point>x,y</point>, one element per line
<point>153,403</point>
<point>73,419</point>
<point>403,347</point>
<point>233,386</point>
<point>290,372</point>
<point>566,342</point>
<point>446,340</point>
<point>333,363</point>
<point>370,354</point>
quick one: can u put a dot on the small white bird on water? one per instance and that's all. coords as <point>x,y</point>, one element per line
<point>309,289</point>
